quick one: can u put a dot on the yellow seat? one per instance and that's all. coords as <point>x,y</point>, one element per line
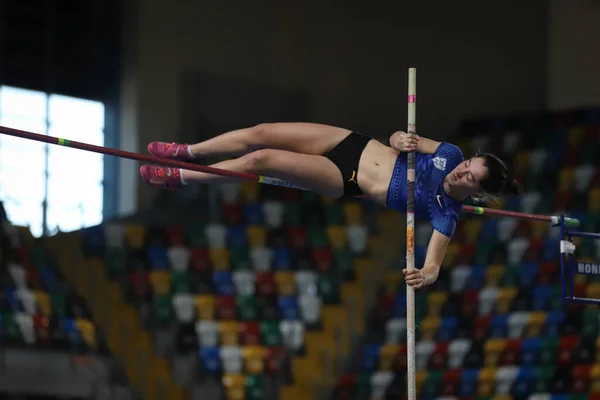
<point>257,236</point>
<point>87,330</point>
<point>254,357</point>
<point>337,236</point>
<point>134,236</point>
<point>352,213</point>
<point>429,327</point>
<point>472,230</point>
<point>205,306</point>
<point>161,282</point>
<point>505,299</point>
<point>566,176</point>
<point>393,280</point>
<point>235,386</point>
<point>493,275</point>
<point>594,200</point>
<point>451,253</point>
<point>595,372</point>
<point>593,290</point>
<point>492,350</point>
<point>249,191</point>
<point>576,135</point>
<point>521,162</point>
<point>595,377</point>
<point>387,354</point>
<point>286,283</point>
<point>435,302</point>
<point>228,333</point>
<point>220,259</point>
<point>535,324</point>
<point>539,229</point>
<point>421,378</point>
<point>487,381</point>
<point>42,301</point>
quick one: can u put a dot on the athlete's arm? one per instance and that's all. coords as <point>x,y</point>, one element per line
<point>433,262</point>
<point>405,143</point>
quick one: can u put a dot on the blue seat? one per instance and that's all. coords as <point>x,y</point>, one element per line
<point>488,231</point>
<point>282,260</point>
<point>370,358</point>
<point>528,274</point>
<point>477,277</point>
<point>554,321</point>
<point>94,240</point>
<point>499,326</point>
<point>540,297</point>
<point>158,258</point>
<point>253,213</point>
<point>554,160</point>
<point>11,297</point>
<point>513,203</point>
<point>71,331</point>
<point>210,360</point>
<point>420,253</point>
<point>523,383</point>
<point>236,237</point>
<point>446,330</point>
<point>400,305</point>
<point>529,350</point>
<point>560,397</point>
<point>551,248</point>
<point>49,279</point>
<point>288,307</point>
<point>468,382</point>
<point>223,281</point>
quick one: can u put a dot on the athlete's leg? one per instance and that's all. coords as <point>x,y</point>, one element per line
<point>312,172</point>
<point>299,137</point>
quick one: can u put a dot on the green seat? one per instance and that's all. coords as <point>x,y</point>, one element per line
<point>270,333</point>
<point>240,259</point>
<point>555,300</point>
<point>180,282</point>
<point>546,354</point>
<point>292,215</point>
<point>317,237</point>
<point>420,306</point>
<point>255,387</point>
<point>542,377</point>
<point>116,262</point>
<point>547,201</point>
<point>590,320</point>
<point>484,252</point>
<point>247,308</point>
<point>309,197</point>
<point>11,332</point>
<point>197,236</point>
<point>329,287</point>
<point>533,182</point>
<point>363,387</point>
<point>163,309</point>
<point>59,305</point>
<point>343,263</point>
<point>511,277</point>
<point>38,255</point>
<point>578,397</point>
<point>432,386</point>
<point>334,214</point>
<point>586,248</point>
<point>591,222</point>
<point>588,155</point>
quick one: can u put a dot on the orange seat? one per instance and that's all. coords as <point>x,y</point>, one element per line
<point>229,333</point>
<point>493,349</point>
<point>134,236</point>
<point>87,329</point>
<point>161,282</point>
<point>205,306</point>
<point>220,259</point>
<point>257,236</point>
<point>286,283</point>
<point>254,357</point>
<point>352,213</point>
<point>235,385</point>
<point>493,275</point>
<point>387,355</point>
<point>42,301</point>
<point>337,236</point>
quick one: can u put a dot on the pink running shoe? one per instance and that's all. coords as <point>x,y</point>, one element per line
<point>171,151</point>
<point>162,177</point>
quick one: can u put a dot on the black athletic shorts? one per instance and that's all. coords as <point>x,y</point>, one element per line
<point>346,156</point>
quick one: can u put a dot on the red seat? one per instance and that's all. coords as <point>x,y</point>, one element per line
<point>265,284</point>
<point>200,259</point>
<point>346,386</point>
<point>322,259</point>
<point>34,280</point>
<point>225,307</point>
<point>566,348</point>
<point>41,325</point>
<point>290,195</point>
<point>465,254</point>
<point>451,382</point>
<point>233,214</point>
<point>563,200</point>
<point>139,283</point>
<point>571,156</point>
<point>439,357</point>
<point>249,333</point>
<point>511,353</point>
<point>524,228</point>
<point>581,379</point>
<point>399,364</point>
<point>534,251</point>
<point>297,237</point>
<point>470,303</point>
<point>482,327</point>
<point>547,273</point>
<point>176,235</point>
<point>275,358</point>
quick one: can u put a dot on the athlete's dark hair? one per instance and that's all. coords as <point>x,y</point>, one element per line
<point>498,181</point>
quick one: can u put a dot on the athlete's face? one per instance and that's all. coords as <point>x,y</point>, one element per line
<point>468,175</point>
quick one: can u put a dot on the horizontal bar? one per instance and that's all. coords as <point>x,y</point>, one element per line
<point>591,235</point>
<point>582,300</point>
<point>514,214</point>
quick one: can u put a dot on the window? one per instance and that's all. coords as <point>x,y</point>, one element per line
<point>69,181</point>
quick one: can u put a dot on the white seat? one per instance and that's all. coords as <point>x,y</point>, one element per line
<point>516,250</point>
<point>244,282</point>
<point>459,277</point>
<point>357,238</point>
<point>583,175</point>
<point>517,322</point>
<point>394,330</point>
<point>306,282</point>
<point>310,308</point>
<point>487,300</point>
<point>540,396</point>
<point>273,213</point>
<point>216,234</point>
<point>506,227</point>
<point>183,304</point>
<point>27,298</point>
<point>18,275</point>
<point>511,142</point>
<point>423,233</point>
<point>25,323</point>
<point>261,258</point>
<point>423,351</point>
<point>529,201</point>
<point>207,333</point>
<point>292,334</point>
<point>380,381</point>
<point>480,143</point>
<point>457,350</point>
<point>115,235</point>
<point>179,258</point>
<point>229,192</point>
<point>505,377</point>
<point>537,160</point>
<point>231,358</point>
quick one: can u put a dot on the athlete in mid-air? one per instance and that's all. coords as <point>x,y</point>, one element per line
<point>340,163</point>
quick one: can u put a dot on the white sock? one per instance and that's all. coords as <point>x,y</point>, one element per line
<point>189,150</point>
<point>181,176</point>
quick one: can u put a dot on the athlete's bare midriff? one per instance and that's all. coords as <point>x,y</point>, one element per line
<point>375,170</point>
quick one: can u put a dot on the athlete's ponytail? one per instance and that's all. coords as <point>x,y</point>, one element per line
<point>498,181</point>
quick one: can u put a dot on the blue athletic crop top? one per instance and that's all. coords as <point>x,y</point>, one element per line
<point>431,201</point>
